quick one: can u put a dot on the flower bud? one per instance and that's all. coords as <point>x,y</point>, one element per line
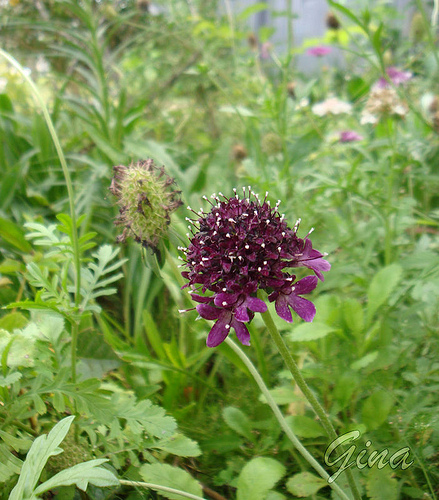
<point>332,21</point>
<point>271,144</point>
<point>239,152</point>
<point>146,202</point>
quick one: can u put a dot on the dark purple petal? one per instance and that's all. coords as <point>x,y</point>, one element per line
<point>241,313</point>
<point>201,298</point>
<point>208,312</point>
<point>305,285</point>
<point>303,307</point>
<point>241,332</point>
<point>225,299</point>
<point>220,330</point>
<point>282,309</point>
<point>256,305</point>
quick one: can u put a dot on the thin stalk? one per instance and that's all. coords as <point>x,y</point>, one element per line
<point>159,487</point>
<point>303,386</point>
<point>69,186</point>
<point>281,419</point>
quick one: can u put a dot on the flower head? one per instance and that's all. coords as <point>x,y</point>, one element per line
<point>382,102</point>
<point>146,201</point>
<point>241,246</point>
<point>396,76</point>
<point>350,136</point>
<point>333,106</point>
<point>319,51</point>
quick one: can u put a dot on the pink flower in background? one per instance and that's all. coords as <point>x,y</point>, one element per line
<point>266,48</point>
<point>319,51</point>
<point>396,76</point>
<point>350,136</point>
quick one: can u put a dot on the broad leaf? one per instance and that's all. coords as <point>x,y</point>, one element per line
<point>305,484</point>
<point>258,477</point>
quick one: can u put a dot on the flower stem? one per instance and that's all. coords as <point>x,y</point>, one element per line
<point>281,419</point>
<point>159,487</point>
<point>303,386</point>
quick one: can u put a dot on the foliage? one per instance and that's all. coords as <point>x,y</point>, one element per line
<point>92,332</point>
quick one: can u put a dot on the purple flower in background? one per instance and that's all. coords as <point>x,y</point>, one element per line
<point>242,246</point>
<point>350,136</point>
<point>396,76</point>
<point>319,51</point>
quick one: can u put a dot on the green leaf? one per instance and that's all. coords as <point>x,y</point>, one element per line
<point>10,379</point>
<point>180,445</point>
<point>376,409</point>
<point>172,477</point>
<point>258,477</point>
<point>305,484</point>
<point>41,450</point>
<point>381,287</point>
<point>304,426</point>
<point>12,321</point>
<point>19,444</point>
<point>282,395</point>
<point>364,361</point>
<point>81,475</point>
<point>236,110</point>
<point>347,13</point>
<point>9,464</point>
<point>252,9</point>
<point>238,421</point>
<point>12,233</point>
<point>381,486</point>
<point>310,331</point>
<point>353,315</point>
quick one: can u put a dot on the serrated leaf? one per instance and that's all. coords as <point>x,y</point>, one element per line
<point>81,475</point>
<point>10,379</point>
<point>305,484</point>
<point>238,421</point>
<point>180,445</point>
<point>310,331</point>
<point>258,477</point>
<point>172,477</point>
<point>381,287</point>
<point>381,486</point>
<point>41,450</point>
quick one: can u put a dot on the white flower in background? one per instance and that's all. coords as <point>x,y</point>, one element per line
<point>42,65</point>
<point>3,83</point>
<point>382,102</point>
<point>331,106</point>
<point>303,103</point>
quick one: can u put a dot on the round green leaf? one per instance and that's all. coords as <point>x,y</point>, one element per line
<point>305,484</point>
<point>258,477</point>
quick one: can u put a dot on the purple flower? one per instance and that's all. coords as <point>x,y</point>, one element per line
<point>350,136</point>
<point>319,51</point>
<point>288,297</point>
<point>242,246</point>
<point>396,76</point>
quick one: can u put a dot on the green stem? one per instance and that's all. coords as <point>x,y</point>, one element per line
<point>281,419</point>
<point>69,186</point>
<point>303,386</point>
<point>159,487</point>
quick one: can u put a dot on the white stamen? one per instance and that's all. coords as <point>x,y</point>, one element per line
<point>283,234</point>
<point>263,245</point>
<point>224,303</point>
<point>228,235</point>
<point>246,247</point>
<point>227,327</point>
<point>224,289</point>
<point>259,269</point>
<point>265,262</point>
<point>279,249</point>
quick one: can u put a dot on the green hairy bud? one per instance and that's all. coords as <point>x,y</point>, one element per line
<point>146,200</point>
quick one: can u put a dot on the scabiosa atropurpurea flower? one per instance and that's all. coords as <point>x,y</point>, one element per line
<point>146,201</point>
<point>241,246</point>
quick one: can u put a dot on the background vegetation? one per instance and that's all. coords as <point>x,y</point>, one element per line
<point>220,108</point>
